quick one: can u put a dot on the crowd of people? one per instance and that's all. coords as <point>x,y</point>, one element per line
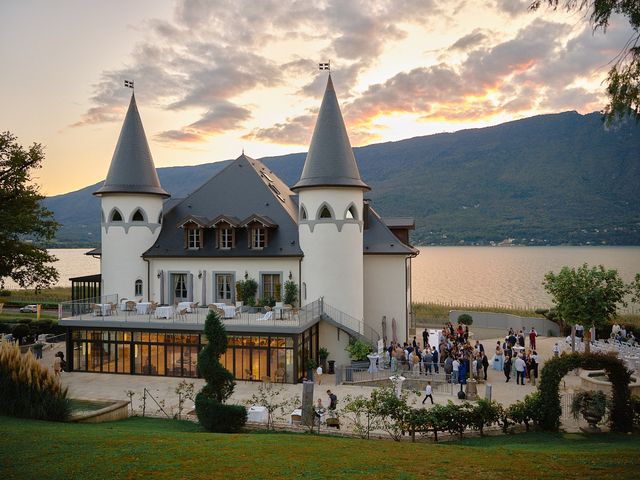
<point>460,359</point>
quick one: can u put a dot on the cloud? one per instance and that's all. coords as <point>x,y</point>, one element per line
<point>474,39</point>
<point>513,8</point>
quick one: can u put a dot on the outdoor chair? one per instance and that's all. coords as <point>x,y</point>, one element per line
<point>152,308</point>
<point>194,306</point>
<point>296,419</point>
<point>114,309</point>
<point>95,310</point>
<point>130,306</point>
<point>279,377</point>
<point>267,316</point>
<point>182,314</point>
<point>248,374</point>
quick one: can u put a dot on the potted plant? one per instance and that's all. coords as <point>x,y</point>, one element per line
<point>358,351</point>
<point>239,293</point>
<point>323,354</point>
<point>310,365</point>
<point>290,292</point>
<point>592,406</point>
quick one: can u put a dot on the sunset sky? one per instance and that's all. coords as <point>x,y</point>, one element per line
<point>213,77</point>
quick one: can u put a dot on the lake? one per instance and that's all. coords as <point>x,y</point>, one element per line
<point>509,276</point>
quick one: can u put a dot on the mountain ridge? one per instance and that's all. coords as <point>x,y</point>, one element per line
<point>558,178</point>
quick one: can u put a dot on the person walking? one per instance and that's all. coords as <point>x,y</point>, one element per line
<point>520,370</point>
<point>333,400</point>
<point>319,374</point>
<point>428,393</point>
<point>507,367</point>
<point>556,350</point>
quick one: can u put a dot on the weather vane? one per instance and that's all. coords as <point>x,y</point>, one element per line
<point>128,84</point>
<point>324,66</point>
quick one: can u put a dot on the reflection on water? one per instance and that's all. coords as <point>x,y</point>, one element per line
<point>478,275</point>
<point>506,275</point>
<point>72,262</point>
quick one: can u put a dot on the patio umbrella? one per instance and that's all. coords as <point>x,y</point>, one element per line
<point>161,287</point>
<point>384,330</point>
<point>204,287</point>
<point>394,328</point>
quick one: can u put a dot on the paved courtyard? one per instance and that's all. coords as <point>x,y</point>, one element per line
<point>112,386</point>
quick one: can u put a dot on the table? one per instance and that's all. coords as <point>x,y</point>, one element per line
<point>164,312</point>
<point>296,413</point>
<point>184,305</point>
<point>142,308</point>
<point>373,363</point>
<point>104,309</point>
<point>229,311</point>
<point>257,414</point>
<point>280,310</point>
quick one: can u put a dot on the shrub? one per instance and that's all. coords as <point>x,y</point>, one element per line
<point>556,368</point>
<point>358,349</point>
<point>635,404</point>
<point>246,291</point>
<point>212,413</point>
<point>219,417</point>
<point>587,402</point>
<point>29,390</point>
<point>20,331</point>
<point>290,292</point>
<point>484,413</point>
<point>465,319</point>
<point>525,411</point>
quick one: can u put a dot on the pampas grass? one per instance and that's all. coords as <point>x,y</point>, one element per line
<point>27,389</point>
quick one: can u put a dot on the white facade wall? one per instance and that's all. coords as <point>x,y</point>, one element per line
<point>335,342</point>
<point>385,293</point>
<point>124,242</point>
<point>332,266</point>
<point>209,266</point>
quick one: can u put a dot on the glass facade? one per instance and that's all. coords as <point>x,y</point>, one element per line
<point>248,357</point>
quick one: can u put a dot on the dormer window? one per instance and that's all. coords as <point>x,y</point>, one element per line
<point>194,238</point>
<point>226,238</point>
<point>258,238</point>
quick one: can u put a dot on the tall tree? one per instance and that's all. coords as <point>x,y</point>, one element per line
<point>586,296</point>
<point>623,87</point>
<point>24,222</point>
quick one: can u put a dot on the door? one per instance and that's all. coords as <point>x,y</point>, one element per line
<point>224,288</point>
<point>179,287</point>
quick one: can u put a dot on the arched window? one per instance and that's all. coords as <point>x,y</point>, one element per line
<point>116,216</point>
<point>138,216</point>
<point>303,213</point>
<point>352,212</point>
<point>138,288</point>
<point>324,211</point>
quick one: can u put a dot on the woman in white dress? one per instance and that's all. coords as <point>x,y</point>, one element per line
<point>498,358</point>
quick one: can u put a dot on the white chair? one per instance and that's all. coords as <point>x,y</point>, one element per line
<point>265,317</point>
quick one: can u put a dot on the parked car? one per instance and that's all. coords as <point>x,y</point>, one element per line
<point>29,309</point>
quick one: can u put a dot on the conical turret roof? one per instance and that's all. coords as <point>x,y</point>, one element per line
<point>330,161</point>
<point>132,169</point>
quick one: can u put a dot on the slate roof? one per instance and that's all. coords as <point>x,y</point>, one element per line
<point>132,169</point>
<point>399,222</point>
<point>378,239</point>
<point>246,187</point>
<point>330,160</point>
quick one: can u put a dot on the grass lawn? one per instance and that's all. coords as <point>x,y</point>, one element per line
<point>14,317</point>
<point>150,448</point>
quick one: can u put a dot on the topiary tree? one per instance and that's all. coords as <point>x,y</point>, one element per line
<point>549,401</point>
<point>213,413</point>
<point>465,319</point>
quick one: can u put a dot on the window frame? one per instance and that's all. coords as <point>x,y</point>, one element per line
<point>138,292</point>
<point>258,239</point>
<point>194,238</point>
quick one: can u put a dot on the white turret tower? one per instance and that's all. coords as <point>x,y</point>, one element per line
<point>131,200</point>
<point>331,214</point>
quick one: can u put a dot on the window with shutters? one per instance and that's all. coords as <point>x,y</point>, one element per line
<point>193,238</point>
<point>258,238</point>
